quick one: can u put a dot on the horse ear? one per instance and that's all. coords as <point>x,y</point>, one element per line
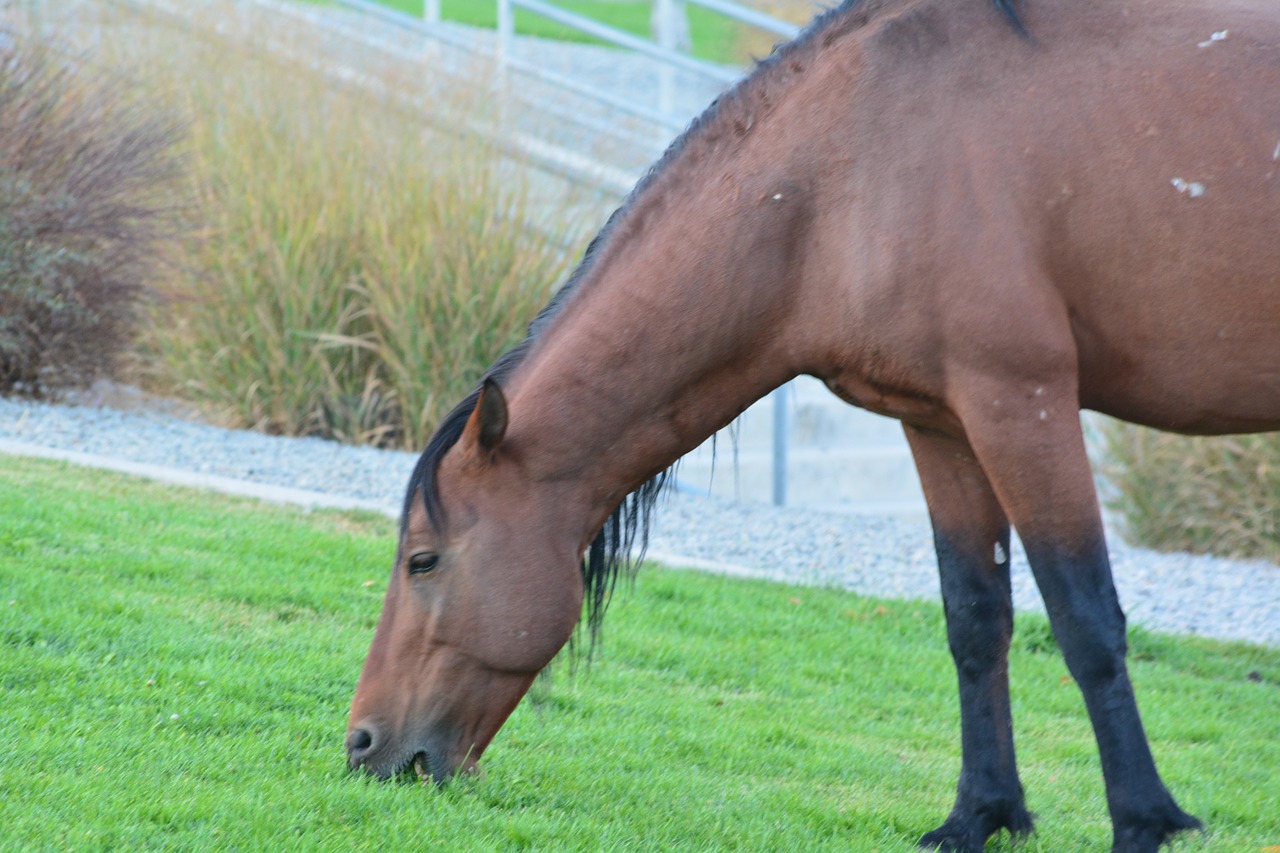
<point>488,423</point>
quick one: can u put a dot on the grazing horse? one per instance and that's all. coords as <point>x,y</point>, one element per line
<point>973,218</point>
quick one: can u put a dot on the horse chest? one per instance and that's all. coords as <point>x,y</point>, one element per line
<point>909,405</point>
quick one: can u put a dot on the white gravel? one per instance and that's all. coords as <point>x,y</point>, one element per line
<point>881,556</point>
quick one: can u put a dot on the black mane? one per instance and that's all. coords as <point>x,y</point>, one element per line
<point>613,552</point>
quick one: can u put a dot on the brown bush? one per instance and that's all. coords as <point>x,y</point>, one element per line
<point>1216,495</point>
<point>84,169</point>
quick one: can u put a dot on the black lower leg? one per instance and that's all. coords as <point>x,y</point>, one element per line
<point>979,610</point>
<point>1090,627</point>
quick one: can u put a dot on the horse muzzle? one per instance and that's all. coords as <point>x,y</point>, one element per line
<point>373,751</point>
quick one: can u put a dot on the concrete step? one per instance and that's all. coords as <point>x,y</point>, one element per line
<point>838,457</point>
<point>862,478</point>
<point>816,418</point>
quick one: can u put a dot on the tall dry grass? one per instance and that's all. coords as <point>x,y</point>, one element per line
<point>356,270</point>
<point>1217,495</point>
<point>757,44</point>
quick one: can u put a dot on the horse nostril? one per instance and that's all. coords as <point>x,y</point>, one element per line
<point>359,744</point>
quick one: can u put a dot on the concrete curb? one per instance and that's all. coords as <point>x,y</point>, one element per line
<point>196,480</point>
<point>307,499</point>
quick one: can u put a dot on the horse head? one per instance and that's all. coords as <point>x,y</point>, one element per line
<point>482,596</point>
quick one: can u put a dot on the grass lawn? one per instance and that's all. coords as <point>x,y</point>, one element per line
<point>177,669</point>
<point>714,36</point>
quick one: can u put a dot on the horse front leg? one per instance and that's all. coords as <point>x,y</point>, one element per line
<point>1032,449</point>
<point>971,535</point>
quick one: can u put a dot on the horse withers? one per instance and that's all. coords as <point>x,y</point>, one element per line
<point>975,219</point>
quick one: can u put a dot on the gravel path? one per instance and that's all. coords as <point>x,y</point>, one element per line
<point>879,556</point>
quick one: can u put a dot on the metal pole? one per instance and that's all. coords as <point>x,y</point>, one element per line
<point>431,11</point>
<point>780,437</point>
<point>670,28</point>
<point>506,32</point>
<point>664,35</point>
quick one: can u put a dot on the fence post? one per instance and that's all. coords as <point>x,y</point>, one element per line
<point>506,33</point>
<point>781,430</point>
<point>670,28</point>
<point>431,11</point>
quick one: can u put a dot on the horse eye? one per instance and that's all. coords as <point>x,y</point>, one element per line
<point>420,564</point>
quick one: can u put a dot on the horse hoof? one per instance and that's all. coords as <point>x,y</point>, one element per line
<point>1148,837</point>
<point>952,839</point>
<point>969,834</point>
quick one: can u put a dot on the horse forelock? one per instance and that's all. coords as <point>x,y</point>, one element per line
<point>620,544</point>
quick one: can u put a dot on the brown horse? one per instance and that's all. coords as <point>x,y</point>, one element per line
<point>975,225</point>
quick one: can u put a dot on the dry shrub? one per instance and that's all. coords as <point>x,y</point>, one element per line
<point>1217,495</point>
<point>757,44</point>
<point>86,171</point>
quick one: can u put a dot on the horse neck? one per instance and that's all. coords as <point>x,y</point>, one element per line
<point>680,324</point>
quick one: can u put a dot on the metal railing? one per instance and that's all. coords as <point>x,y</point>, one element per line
<point>670,33</point>
<point>669,22</point>
<point>606,33</point>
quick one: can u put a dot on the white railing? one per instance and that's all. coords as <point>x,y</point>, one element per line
<point>668,46</point>
<point>606,33</point>
<point>668,50</point>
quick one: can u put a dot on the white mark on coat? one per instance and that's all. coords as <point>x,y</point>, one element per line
<point>777,196</point>
<point>1001,556</point>
<point>1220,35</point>
<point>1044,416</point>
<point>1276,155</point>
<point>1040,391</point>
<point>1195,189</point>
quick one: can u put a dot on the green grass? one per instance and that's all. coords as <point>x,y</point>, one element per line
<point>177,669</point>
